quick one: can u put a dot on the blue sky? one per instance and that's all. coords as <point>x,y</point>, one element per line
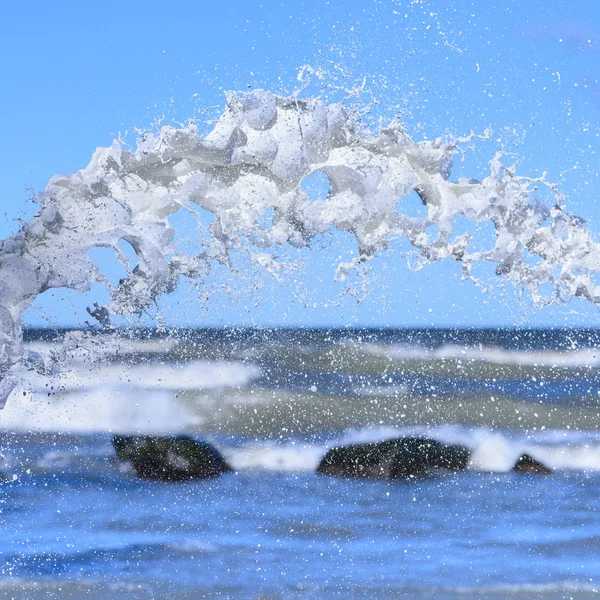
<point>75,75</point>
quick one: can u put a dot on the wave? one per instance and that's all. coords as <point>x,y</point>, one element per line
<point>492,451</point>
<point>497,451</point>
<point>215,405</point>
<point>583,358</point>
<point>194,375</point>
<point>115,409</point>
<point>250,172</point>
<point>272,456</point>
<point>108,346</point>
<point>387,366</point>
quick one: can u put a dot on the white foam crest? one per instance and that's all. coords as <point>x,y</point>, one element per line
<point>491,451</point>
<point>273,456</point>
<point>110,345</point>
<point>580,457</point>
<point>99,410</point>
<point>494,453</point>
<point>587,357</point>
<point>194,375</point>
<point>584,357</point>
<point>497,451</point>
<point>249,172</point>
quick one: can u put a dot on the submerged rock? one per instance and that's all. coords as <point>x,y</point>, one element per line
<point>527,464</point>
<point>170,458</point>
<point>394,459</point>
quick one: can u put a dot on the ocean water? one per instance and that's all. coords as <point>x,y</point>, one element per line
<point>276,175</point>
<point>76,523</point>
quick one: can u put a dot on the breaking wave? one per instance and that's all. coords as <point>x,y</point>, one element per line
<point>249,173</point>
<point>586,357</point>
<point>492,451</point>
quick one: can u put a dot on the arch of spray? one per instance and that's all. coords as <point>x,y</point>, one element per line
<point>248,171</point>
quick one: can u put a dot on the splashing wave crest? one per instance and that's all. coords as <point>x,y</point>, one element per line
<point>249,172</point>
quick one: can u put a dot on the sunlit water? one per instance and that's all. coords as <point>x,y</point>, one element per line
<point>77,523</point>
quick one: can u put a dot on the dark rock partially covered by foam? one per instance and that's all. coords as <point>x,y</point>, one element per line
<point>528,465</point>
<point>177,458</point>
<point>394,459</point>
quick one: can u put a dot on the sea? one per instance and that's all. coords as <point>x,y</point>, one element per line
<point>77,523</point>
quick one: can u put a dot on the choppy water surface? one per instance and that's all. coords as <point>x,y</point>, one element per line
<point>78,524</point>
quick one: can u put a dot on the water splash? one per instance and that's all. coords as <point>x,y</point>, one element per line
<point>249,173</point>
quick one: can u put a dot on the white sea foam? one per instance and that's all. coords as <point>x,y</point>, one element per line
<point>495,451</point>
<point>588,357</point>
<point>585,357</point>
<point>273,456</point>
<point>100,410</point>
<point>249,173</point>
<point>195,375</point>
<point>492,451</point>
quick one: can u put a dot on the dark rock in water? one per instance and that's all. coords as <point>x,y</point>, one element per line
<point>170,458</point>
<point>394,459</point>
<point>527,464</point>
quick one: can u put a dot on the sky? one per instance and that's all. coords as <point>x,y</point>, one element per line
<point>76,75</point>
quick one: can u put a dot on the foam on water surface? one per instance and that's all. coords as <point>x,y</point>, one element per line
<point>585,357</point>
<point>249,173</point>
<point>497,451</point>
<point>194,375</point>
<point>115,409</point>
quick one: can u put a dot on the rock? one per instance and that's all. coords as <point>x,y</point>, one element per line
<point>527,464</point>
<point>394,459</point>
<point>176,458</point>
